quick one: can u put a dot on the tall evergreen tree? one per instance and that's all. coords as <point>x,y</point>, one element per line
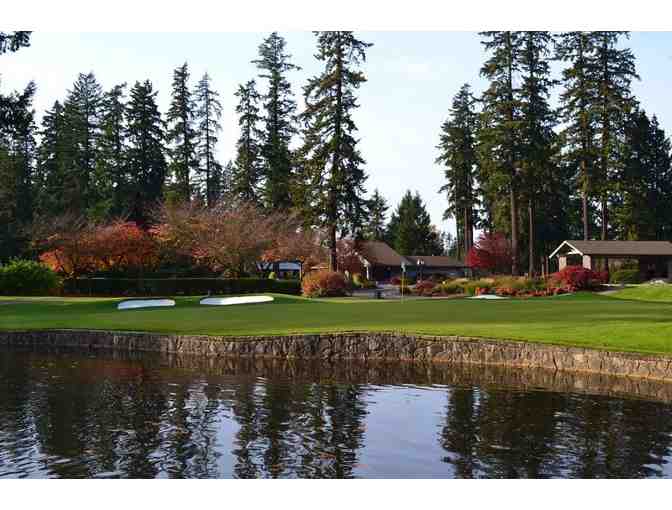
<point>247,168</point>
<point>181,134</point>
<point>51,172</point>
<point>208,115</point>
<point>457,152</point>
<point>537,135</point>
<point>374,229</point>
<point>500,133</point>
<point>82,119</point>
<point>279,106</point>
<point>146,158</point>
<point>410,230</point>
<point>113,149</point>
<point>614,70</point>
<point>17,163</point>
<point>578,95</point>
<point>332,175</point>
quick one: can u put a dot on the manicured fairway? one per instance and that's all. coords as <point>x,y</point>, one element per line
<point>660,293</point>
<point>581,320</point>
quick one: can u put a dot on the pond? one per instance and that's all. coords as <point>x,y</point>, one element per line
<point>75,414</point>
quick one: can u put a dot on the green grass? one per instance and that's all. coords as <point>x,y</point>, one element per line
<point>656,293</point>
<point>578,320</point>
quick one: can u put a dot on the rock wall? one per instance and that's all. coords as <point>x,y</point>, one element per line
<point>363,347</point>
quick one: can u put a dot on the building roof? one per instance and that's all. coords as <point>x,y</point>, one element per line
<point>380,254</point>
<point>617,248</point>
<point>436,261</point>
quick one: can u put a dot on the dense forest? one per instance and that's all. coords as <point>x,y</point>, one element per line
<point>595,167</point>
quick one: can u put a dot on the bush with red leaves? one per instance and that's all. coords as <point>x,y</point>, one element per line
<point>324,283</point>
<point>424,288</point>
<point>574,278</point>
<point>491,252</point>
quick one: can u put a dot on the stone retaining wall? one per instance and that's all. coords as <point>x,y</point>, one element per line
<point>388,346</point>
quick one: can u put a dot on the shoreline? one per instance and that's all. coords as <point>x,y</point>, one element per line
<point>363,347</point>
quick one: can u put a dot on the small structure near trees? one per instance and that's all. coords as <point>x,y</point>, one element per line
<point>654,258</point>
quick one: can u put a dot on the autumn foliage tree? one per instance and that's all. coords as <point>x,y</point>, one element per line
<point>491,252</point>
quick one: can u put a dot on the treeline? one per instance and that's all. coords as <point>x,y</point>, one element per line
<point>102,154</point>
<point>596,167</point>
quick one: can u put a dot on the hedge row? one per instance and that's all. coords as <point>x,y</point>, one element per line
<point>176,286</point>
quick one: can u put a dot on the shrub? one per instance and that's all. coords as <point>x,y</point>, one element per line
<point>575,278</point>
<point>28,278</point>
<point>176,286</point>
<point>272,276</point>
<point>360,282</point>
<point>324,283</point>
<point>477,287</point>
<point>451,287</point>
<point>424,288</point>
<point>626,276</point>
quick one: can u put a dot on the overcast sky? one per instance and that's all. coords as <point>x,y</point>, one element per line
<point>412,79</point>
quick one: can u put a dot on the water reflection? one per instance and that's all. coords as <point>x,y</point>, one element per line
<point>72,414</point>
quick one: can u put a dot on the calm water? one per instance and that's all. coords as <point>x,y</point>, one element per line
<point>74,414</point>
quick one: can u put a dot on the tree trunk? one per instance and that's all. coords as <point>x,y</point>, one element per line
<point>530,217</point>
<point>514,234</point>
<point>605,230</point>
<point>584,203</point>
<point>333,259</point>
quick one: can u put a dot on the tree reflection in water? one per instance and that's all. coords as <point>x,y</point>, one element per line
<point>73,414</point>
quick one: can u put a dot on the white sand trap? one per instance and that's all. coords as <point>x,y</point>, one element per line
<point>487,296</point>
<point>239,300</point>
<point>144,303</point>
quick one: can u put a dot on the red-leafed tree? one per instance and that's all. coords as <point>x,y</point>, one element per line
<point>64,243</point>
<point>348,259</point>
<point>491,252</point>
<point>123,245</point>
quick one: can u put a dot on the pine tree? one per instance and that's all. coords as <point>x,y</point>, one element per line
<point>578,95</point>
<point>17,163</point>
<point>500,133</point>
<point>537,135</point>
<point>410,230</point>
<point>181,135</point>
<point>457,152</point>
<point>82,117</point>
<point>247,168</point>
<point>279,106</point>
<point>51,172</point>
<point>374,229</point>
<point>113,148</point>
<point>332,179</point>
<point>614,70</point>
<point>146,159</point>
<point>208,115</point>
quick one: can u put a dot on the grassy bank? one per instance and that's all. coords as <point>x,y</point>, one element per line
<point>579,320</point>
<point>655,293</point>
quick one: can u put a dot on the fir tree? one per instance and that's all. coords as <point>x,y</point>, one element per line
<point>578,95</point>
<point>82,117</point>
<point>51,164</point>
<point>457,152</point>
<point>247,168</point>
<point>332,175</point>
<point>500,133</point>
<point>146,159</point>
<point>537,135</point>
<point>279,107</point>
<point>410,230</point>
<point>181,134</point>
<point>113,150</point>
<point>614,70</point>
<point>208,115</point>
<point>374,229</point>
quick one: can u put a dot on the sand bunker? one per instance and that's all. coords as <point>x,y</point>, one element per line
<point>239,300</point>
<point>144,303</point>
<point>488,296</point>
